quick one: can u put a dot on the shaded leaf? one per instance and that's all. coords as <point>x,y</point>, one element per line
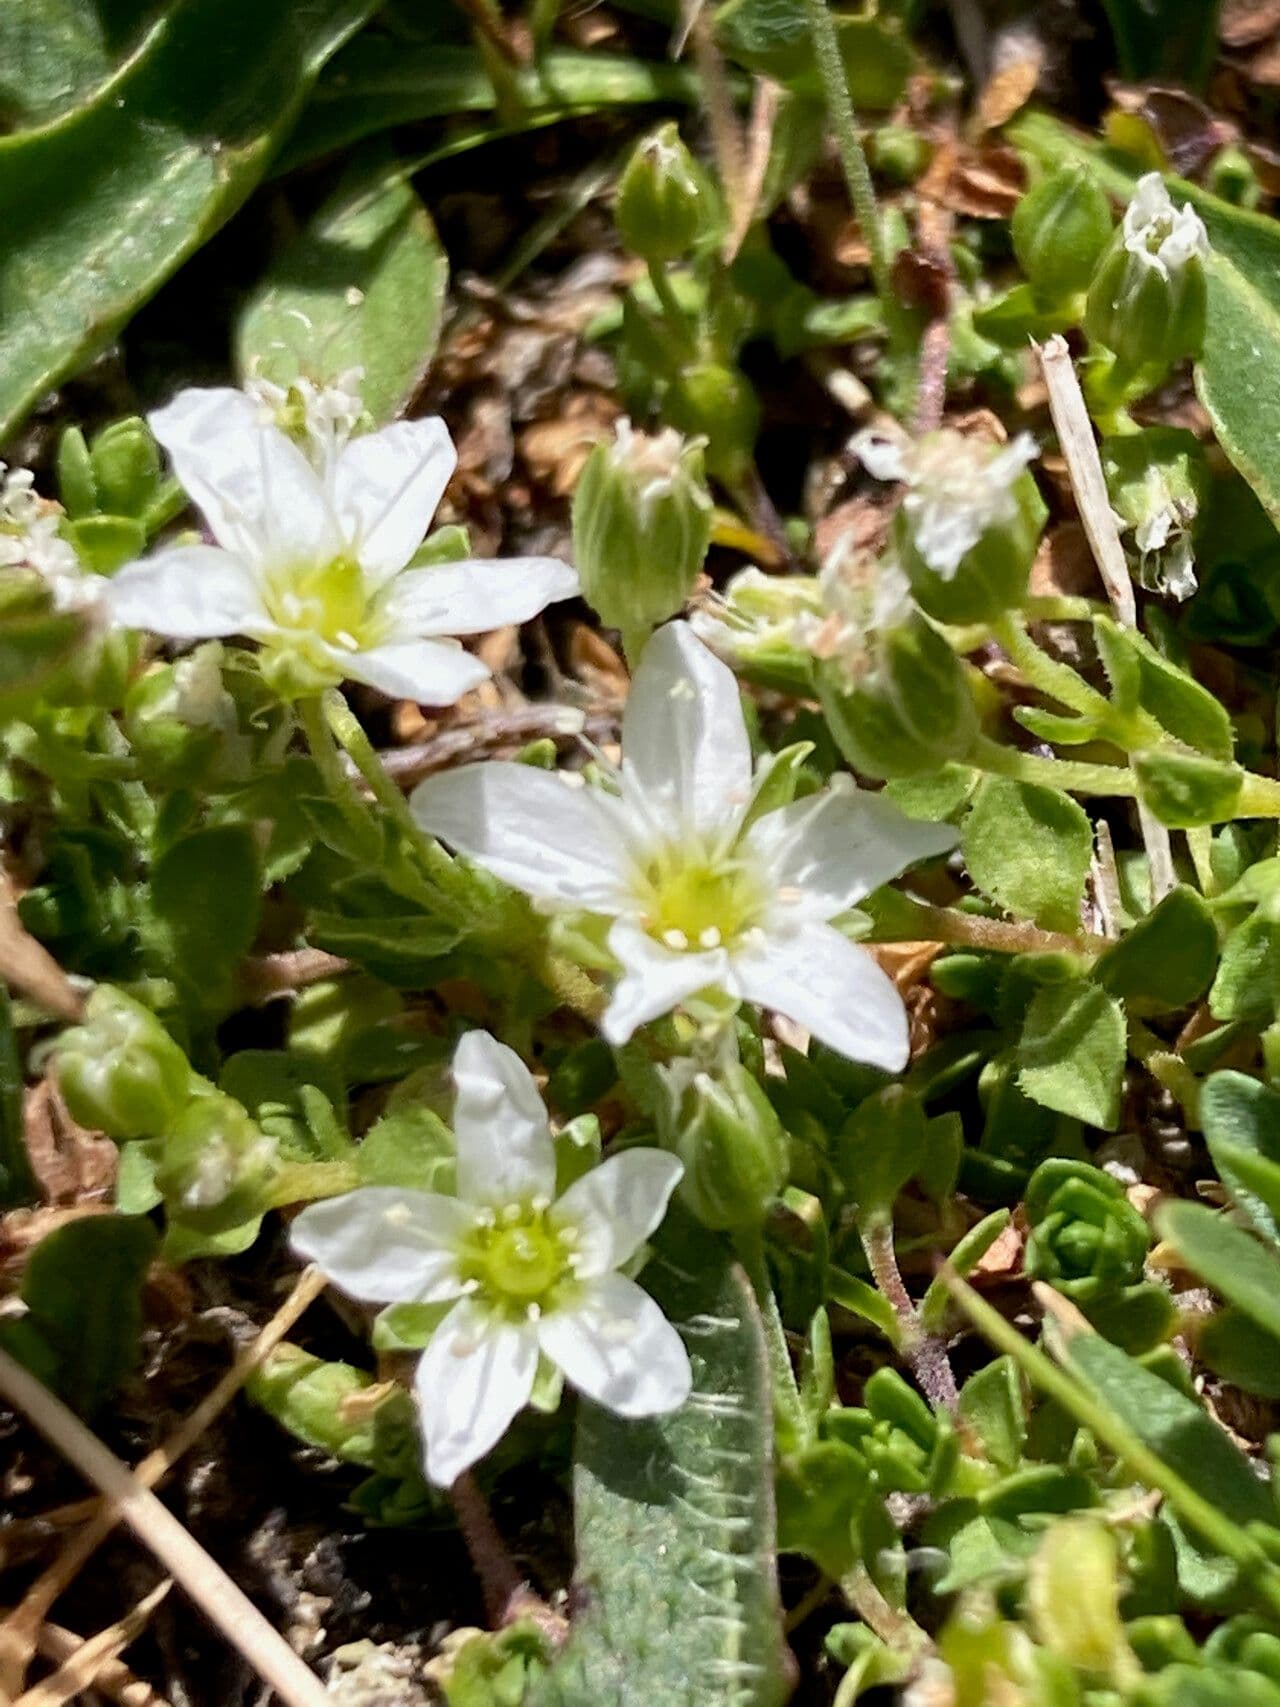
<point>100,206</point>
<point>363,286</point>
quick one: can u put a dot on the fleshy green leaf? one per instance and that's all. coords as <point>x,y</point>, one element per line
<point>1072,1052</point>
<point>363,286</point>
<point>1028,848</point>
<point>100,206</point>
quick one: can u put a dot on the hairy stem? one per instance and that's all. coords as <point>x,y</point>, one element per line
<point>853,158</point>
<point>1069,774</point>
<point>926,1354</point>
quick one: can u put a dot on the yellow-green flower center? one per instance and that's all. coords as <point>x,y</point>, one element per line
<point>700,902</point>
<point>327,601</point>
<point>521,1261</point>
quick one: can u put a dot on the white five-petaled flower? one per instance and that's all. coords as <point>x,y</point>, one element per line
<point>702,893</point>
<point>526,1273</point>
<point>311,554</point>
<point>1159,233</point>
<point>957,487</point>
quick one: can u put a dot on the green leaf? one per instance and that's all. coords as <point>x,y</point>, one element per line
<point>1167,40</point>
<point>1174,1426</point>
<point>1240,1117</point>
<point>1169,956</point>
<point>674,1515</point>
<point>363,286</point>
<point>411,1147</point>
<point>883,1146</point>
<point>380,81</point>
<point>1247,985</point>
<point>1244,1272</point>
<point>100,206</point>
<point>54,52</point>
<point>1071,1053</point>
<point>82,1289</point>
<point>1028,848</point>
<point>206,895</point>
<point>1185,790</point>
<point>339,1409</point>
<point>1241,1352</point>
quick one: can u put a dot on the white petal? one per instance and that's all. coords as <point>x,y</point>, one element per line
<point>882,458</point>
<point>386,488</point>
<point>429,672</point>
<point>839,846</point>
<point>616,1346</point>
<point>386,1245</point>
<point>505,1153</point>
<point>833,988</point>
<point>531,829</point>
<point>478,595</point>
<point>655,979</point>
<point>616,1206</point>
<point>474,1376</point>
<point>257,491</point>
<point>684,738</point>
<point>190,592</point>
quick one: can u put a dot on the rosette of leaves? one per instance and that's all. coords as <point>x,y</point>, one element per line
<point>1090,1243</point>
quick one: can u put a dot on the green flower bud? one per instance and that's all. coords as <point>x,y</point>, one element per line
<point>896,697</point>
<point>641,527</point>
<point>1060,228</point>
<point>1147,300</point>
<point>216,1163</point>
<point>120,1072</point>
<point>77,484</point>
<point>664,199</point>
<point>718,404</point>
<point>725,1131</point>
<point>1087,1239</point>
<point>969,525</point>
<point>126,467</point>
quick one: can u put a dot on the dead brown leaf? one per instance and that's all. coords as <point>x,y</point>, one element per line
<point>1243,23</point>
<point>72,1164</point>
<point>984,181</point>
<point>1064,566</point>
<point>1018,61</point>
<point>1187,133</point>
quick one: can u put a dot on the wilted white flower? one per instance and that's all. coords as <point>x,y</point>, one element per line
<point>863,598</point>
<point>1159,233</point>
<point>958,487</point>
<point>29,539</point>
<point>702,894</point>
<point>318,417</point>
<point>526,1273</point>
<point>758,615</point>
<point>311,557</point>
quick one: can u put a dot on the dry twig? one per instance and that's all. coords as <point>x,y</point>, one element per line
<point>82,1668</point>
<point>1075,435</point>
<point>19,1634</point>
<point>225,1605</point>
